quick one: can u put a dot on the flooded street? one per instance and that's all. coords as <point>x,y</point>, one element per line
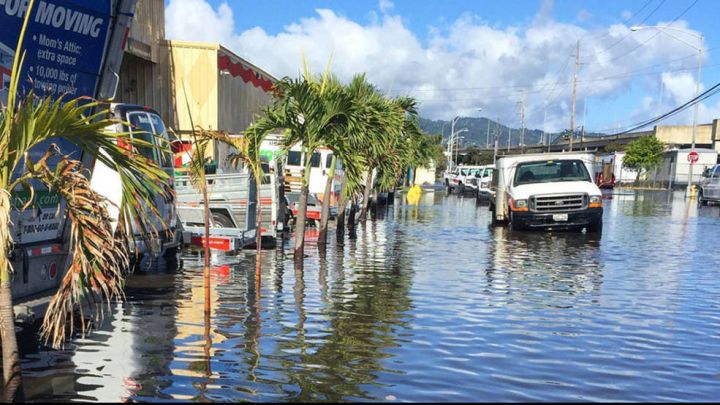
<point>427,303</point>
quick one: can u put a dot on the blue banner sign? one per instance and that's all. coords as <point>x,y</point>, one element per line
<point>64,45</point>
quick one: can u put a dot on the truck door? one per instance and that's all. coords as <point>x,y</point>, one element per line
<point>149,127</point>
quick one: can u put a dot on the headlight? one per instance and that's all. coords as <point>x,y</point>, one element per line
<point>595,201</point>
<point>520,203</point>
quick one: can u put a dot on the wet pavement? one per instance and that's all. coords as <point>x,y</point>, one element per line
<point>427,303</point>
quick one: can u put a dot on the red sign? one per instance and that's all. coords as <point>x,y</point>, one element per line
<point>215,243</point>
<point>693,157</point>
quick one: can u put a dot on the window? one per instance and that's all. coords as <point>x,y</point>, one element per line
<point>143,130</point>
<point>166,158</point>
<point>315,160</point>
<point>293,158</point>
<point>551,171</point>
<point>328,160</point>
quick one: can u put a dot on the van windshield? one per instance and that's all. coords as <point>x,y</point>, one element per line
<point>551,171</point>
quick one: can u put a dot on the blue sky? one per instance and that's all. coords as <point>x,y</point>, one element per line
<point>486,51</point>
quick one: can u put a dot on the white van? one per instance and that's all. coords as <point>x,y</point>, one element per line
<point>547,190</point>
<point>144,122</point>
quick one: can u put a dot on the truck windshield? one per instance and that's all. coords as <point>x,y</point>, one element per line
<point>551,171</point>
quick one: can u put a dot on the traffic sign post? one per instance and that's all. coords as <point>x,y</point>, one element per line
<point>693,157</point>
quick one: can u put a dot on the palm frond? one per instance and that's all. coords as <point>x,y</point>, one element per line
<point>98,256</point>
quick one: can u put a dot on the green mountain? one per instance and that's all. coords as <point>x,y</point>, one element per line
<point>481,131</point>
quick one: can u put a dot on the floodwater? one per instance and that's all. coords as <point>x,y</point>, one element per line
<point>427,303</point>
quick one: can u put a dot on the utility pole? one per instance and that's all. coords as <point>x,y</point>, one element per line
<point>509,136</point>
<point>572,115</point>
<point>487,136</point>
<point>522,122</point>
<point>497,135</point>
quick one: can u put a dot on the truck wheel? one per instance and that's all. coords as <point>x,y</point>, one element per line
<point>222,220</point>
<point>515,225</point>
<point>595,226</point>
<point>701,200</point>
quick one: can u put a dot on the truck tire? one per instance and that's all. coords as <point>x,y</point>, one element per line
<point>222,220</point>
<point>595,226</point>
<point>515,225</point>
<point>701,201</point>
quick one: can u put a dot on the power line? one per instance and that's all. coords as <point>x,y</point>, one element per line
<point>656,34</point>
<point>628,34</point>
<point>581,83</point>
<point>697,99</point>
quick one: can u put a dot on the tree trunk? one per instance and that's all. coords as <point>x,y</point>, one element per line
<point>12,373</point>
<point>12,377</point>
<point>366,198</point>
<point>258,228</point>
<point>207,223</point>
<point>340,230</point>
<point>353,212</point>
<point>325,214</point>
<point>301,215</point>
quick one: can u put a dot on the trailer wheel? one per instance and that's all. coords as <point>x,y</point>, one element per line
<point>222,220</point>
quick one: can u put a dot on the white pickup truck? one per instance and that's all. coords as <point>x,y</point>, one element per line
<point>464,179</point>
<point>547,191</point>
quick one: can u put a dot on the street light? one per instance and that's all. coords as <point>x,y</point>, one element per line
<point>457,139</point>
<point>450,143</point>
<point>700,38</point>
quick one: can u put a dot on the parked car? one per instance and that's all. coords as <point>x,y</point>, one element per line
<point>710,186</point>
<point>552,190</point>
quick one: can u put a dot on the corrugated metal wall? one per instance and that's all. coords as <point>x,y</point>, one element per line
<point>241,97</point>
<point>193,69</point>
<point>147,30</point>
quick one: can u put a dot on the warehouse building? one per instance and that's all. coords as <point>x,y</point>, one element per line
<point>190,83</point>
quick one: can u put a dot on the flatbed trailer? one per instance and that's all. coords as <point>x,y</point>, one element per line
<point>232,206</point>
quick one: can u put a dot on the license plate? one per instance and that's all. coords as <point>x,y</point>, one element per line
<point>560,217</point>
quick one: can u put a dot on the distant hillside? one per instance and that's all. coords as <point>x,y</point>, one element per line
<point>477,133</point>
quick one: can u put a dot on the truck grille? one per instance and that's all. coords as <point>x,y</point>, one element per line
<point>558,203</point>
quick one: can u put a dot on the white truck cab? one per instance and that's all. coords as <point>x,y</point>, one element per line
<point>547,190</point>
<point>145,123</point>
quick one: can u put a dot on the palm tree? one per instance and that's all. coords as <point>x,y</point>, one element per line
<point>98,253</point>
<point>343,145</point>
<point>363,143</point>
<point>311,110</point>
<point>383,131</point>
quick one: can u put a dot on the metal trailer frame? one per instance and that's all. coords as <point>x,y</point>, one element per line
<point>231,195</point>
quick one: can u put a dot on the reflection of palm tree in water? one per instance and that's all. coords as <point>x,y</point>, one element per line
<point>360,328</point>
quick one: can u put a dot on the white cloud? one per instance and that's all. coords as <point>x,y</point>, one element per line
<point>386,5</point>
<point>583,15</point>
<point>468,64</point>
<point>626,14</point>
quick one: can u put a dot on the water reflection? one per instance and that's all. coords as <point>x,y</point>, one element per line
<point>429,303</point>
<point>555,268</point>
